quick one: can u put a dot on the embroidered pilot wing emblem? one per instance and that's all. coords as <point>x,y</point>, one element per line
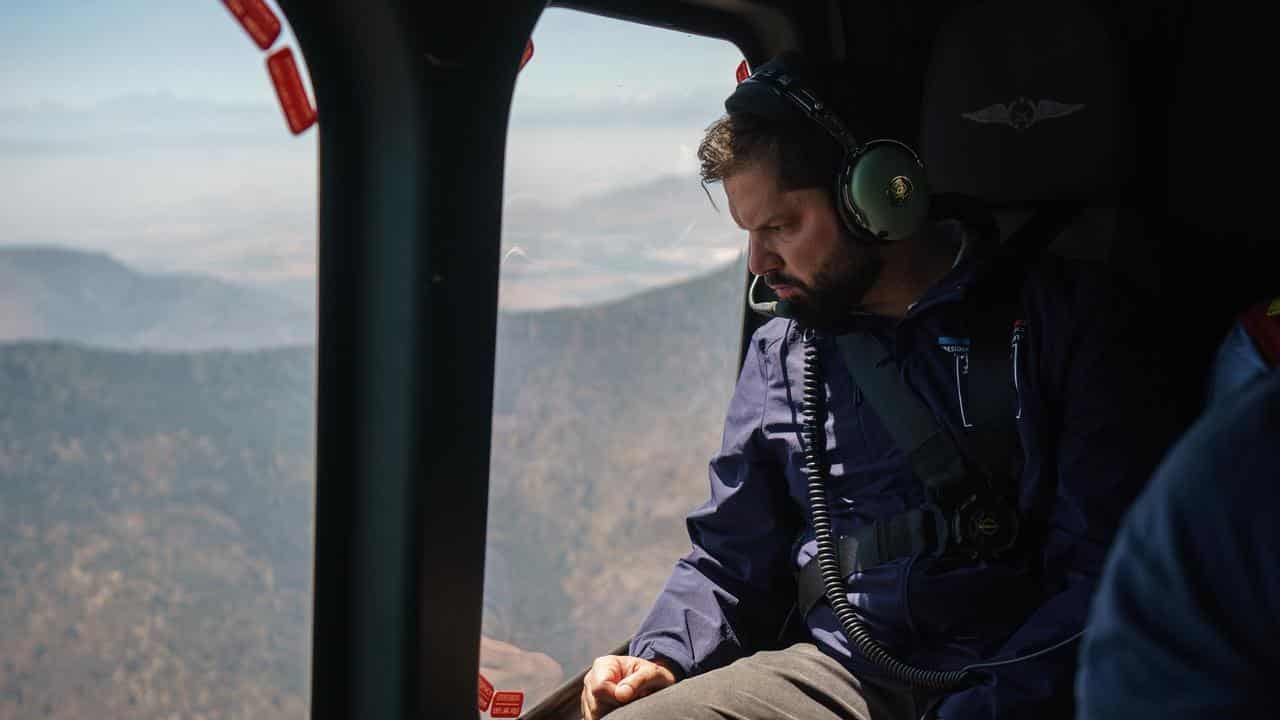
<point>1021,113</point>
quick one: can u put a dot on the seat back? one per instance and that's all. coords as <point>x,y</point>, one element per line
<point>1027,105</point>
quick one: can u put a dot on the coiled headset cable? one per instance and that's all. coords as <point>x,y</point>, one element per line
<point>855,629</point>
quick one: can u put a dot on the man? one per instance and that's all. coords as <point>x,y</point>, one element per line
<point>1185,621</point>
<point>705,649</point>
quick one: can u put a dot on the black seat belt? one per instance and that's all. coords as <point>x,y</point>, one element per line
<point>964,513</point>
<point>970,507</point>
<point>931,452</point>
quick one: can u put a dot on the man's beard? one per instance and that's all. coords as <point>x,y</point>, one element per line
<point>838,287</point>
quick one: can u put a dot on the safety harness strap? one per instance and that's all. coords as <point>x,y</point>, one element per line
<point>903,535</point>
<point>954,470</point>
<point>968,479</point>
<point>931,452</point>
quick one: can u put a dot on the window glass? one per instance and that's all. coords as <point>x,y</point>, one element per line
<point>620,311</point>
<point>157,383</point>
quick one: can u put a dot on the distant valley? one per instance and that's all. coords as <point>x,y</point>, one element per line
<point>156,507</point>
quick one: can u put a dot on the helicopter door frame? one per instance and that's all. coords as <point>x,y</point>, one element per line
<point>408,278</point>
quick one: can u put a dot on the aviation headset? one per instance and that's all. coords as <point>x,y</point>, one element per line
<point>881,192</point>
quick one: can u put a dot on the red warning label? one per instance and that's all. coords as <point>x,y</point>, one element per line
<point>486,693</point>
<point>507,705</point>
<point>743,72</point>
<point>289,88</point>
<point>257,19</point>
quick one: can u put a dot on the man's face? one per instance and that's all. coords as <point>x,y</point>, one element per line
<point>797,243</point>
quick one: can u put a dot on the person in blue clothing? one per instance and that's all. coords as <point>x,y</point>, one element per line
<point>1185,621</point>
<point>726,638</point>
<point>1250,349</point>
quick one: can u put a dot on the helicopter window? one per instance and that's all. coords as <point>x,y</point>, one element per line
<point>620,310</point>
<point>157,382</point>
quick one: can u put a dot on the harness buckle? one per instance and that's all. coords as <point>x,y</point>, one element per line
<point>984,526</point>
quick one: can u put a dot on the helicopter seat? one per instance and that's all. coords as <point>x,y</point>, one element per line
<point>1026,109</point>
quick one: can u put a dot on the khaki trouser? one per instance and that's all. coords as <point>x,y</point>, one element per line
<point>798,683</point>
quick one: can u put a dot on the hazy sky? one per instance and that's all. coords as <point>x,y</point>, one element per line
<point>149,130</point>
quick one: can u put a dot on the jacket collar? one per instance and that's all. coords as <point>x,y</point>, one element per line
<point>971,267</point>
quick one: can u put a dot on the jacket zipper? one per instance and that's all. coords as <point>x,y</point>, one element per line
<point>1019,332</point>
<point>962,371</point>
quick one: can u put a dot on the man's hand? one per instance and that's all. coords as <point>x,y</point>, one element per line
<point>614,681</point>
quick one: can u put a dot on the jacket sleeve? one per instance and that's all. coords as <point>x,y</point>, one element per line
<point>1105,432</point>
<point>730,594</point>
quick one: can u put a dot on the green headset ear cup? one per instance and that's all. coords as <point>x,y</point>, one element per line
<point>883,193</point>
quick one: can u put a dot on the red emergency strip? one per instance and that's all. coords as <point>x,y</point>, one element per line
<point>528,54</point>
<point>485,689</point>
<point>289,88</point>
<point>507,705</point>
<point>257,19</point>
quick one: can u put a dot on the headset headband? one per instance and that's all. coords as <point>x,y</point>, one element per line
<point>784,86</point>
<point>880,192</point>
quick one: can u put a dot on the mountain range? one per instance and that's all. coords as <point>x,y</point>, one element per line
<point>49,293</point>
<point>156,507</point>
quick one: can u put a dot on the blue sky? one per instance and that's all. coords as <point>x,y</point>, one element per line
<point>148,129</point>
<point>79,52</point>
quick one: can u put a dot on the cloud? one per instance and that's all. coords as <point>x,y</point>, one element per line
<point>695,106</point>
<point>560,165</point>
<point>167,184</point>
<point>606,246</point>
<point>243,214</point>
<point>136,121</point>
<point>591,213</point>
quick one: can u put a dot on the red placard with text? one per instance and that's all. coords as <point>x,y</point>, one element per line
<point>486,693</point>
<point>507,705</point>
<point>257,19</point>
<point>289,88</point>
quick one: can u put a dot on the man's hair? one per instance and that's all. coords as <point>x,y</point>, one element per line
<point>800,153</point>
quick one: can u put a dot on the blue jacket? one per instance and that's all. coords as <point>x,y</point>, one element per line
<point>1087,448</point>
<point>1186,619</point>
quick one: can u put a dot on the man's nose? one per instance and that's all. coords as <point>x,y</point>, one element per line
<point>760,258</point>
